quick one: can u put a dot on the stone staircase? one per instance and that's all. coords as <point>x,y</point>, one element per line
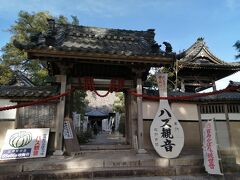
<point>108,163</point>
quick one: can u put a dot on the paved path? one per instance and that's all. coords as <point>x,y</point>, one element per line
<point>105,138</point>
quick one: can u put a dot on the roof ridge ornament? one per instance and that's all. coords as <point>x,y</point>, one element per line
<point>168,47</point>
<point>200,39</point>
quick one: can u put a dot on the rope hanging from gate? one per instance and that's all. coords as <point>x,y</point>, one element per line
<point>115,85</point>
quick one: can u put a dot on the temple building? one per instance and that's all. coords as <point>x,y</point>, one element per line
<point>198,69</point>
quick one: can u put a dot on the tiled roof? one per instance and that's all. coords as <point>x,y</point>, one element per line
<point>20,87</point>
<point>199,56</point>
<point>98,112</point>
<point>16,92</point>
<point>96,40</point>
<point>19,79</point>
<point>227,96</point>
<point>199,53</point>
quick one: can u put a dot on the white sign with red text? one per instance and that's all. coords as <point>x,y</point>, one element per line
<point>25,143</point>
<point>210,152</point>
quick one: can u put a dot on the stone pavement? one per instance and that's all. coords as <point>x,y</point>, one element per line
<point>107,138</point>
<point>226,177</point>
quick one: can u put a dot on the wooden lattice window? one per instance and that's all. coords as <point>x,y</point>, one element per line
<point>211,108</point>
<point>233,108</point>
<point>38,116</point>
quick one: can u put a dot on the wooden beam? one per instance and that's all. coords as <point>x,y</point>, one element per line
<point>198,84</point>
<point>199,78</point>
<point>101,83</point>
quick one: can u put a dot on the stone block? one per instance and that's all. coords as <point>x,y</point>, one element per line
<point>169,171</point>
<point>14,176</point>
<point>162,162</point>
<point>7,168</point>
<point>189,170</point>
<point>44,166</point>
<point>118,164</point>
<point>186,162</point>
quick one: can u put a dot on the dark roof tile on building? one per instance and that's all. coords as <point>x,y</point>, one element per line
<point>19,79</point>
<point>67,37</point>
<point>23,92</point>
<point>223,97</point>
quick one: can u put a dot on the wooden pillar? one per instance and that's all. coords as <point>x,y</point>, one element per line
<point>214,86</point>
<point>58,143</point>
<point>127,119</point>
<point>69,103</point>
<point>228,126</point>
<point>200,123</point>
<point>140,117</point>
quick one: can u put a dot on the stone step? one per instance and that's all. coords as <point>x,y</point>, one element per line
<point>73,170</point>
<point>103,172</point>
<point>127,162</point>
<point>105,147</point>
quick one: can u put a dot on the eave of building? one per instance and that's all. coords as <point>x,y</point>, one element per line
<point>105,58</point>
<point>199,50</point>
<point>208,66</point>
<point>205,53</point>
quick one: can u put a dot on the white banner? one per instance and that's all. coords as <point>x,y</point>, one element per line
<point>210,152</point>
<point>25,143</point>
<point>76,120</point>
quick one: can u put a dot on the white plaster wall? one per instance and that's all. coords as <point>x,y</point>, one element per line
<point>4,126</point>
<point>222,134</point>
<point>219,116</point>
<point>234,116</point>
<point>150,109</point>
<point>9,114</point>
<point>185,111</point>
<point>182,111</point>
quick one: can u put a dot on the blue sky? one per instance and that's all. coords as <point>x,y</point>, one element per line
<point>180,22</point>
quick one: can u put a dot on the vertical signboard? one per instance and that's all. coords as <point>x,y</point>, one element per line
<point>25,143</point>
<point>67,130</point>
<point>166,132</point>
<point>210,152</point>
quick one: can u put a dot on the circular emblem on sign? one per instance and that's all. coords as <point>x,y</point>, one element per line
<point>20,139</point>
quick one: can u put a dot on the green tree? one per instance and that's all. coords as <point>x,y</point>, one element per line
<point>79,102</point>
<point>151,81</point>
<point>118,104</point>
<point>24,28</point>
<point>237,46</point>
<point>6,74</point>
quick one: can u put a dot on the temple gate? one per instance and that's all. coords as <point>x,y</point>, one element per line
<point>77,55</point>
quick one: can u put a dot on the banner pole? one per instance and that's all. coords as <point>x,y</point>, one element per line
<point>218,147</point>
